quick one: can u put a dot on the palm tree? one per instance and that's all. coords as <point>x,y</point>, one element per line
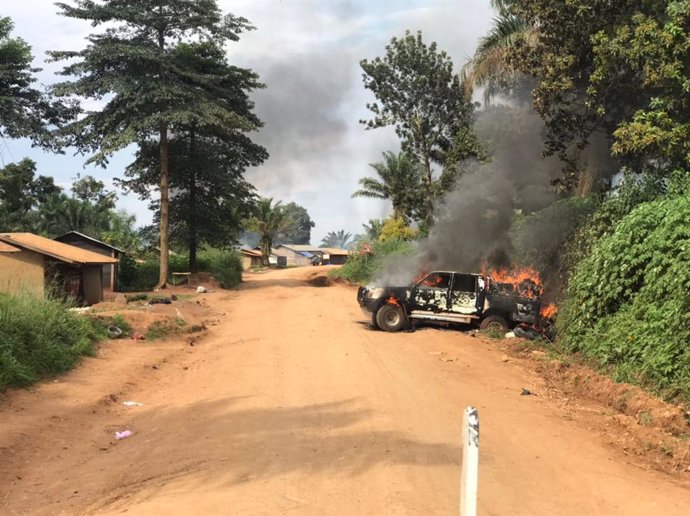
<point>490,68</point>
<point>337,239</point>
<point>373,230</point>
<point>268,220</point>
<point>400,182</point>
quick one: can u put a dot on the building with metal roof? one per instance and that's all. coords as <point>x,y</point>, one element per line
<point>31,263</point>
<point>110,270</point>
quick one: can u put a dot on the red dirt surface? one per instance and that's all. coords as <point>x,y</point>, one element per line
<point>291,403</point>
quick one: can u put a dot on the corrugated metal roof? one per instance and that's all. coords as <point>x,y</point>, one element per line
<point>300,247</point>
<point>251,252</point>
<point>87,237</point>
<point>7,248</point>
<point>63,252</point>
<point>335,251</point>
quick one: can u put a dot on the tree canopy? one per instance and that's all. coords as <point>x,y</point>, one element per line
<point>419,94</point>
<point>268,220</point>
<point>400,182</point>
<point>340,239</point>
<point>25,112</point>
<point>141,64</point>
<point>299,230</point>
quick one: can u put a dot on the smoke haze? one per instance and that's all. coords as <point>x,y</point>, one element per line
<point>473,221</point>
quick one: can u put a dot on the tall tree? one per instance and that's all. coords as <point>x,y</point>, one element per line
<point>134,64</point>
<point>647,55</point>
<point>299,231</point>
<point>563,62</point>
<point>490,67</point>
<point>400,182</point>
<point>21,193</point>
<point>338,239</point>
<point>268,220</point>
<point>209,196</point>
<point>207,162</point>
<point>90,189</point>
<point>24,110</point>
<point>418,93</point>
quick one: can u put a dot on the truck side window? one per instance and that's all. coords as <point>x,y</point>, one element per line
<point>465,283</point>
<point>439,280</point>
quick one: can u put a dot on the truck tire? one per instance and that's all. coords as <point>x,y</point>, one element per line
<point>391,317</point>
<point>495,323</point>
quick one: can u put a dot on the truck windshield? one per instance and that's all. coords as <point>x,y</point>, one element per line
<point>439,280</point>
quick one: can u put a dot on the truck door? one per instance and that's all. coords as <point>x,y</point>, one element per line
<point>431,294</point>
<point>464,294</point>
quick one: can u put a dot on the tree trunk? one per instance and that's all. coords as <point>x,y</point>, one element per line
<point>165,201</point>
<point>164,209</point>
<point>192,204</point>
<point>266,245</point>
<point>429,191</point>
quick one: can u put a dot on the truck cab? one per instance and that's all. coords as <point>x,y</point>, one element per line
<point>447,297</point>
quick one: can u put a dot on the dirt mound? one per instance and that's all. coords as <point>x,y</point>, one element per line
<point>318,278</point>
<point>320,281</point>
<point>639,423</point>
<point>204,279</point>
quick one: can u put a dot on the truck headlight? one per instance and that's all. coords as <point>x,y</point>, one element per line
<point>375,293</point>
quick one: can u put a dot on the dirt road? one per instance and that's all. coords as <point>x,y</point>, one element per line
<point>292,405</point>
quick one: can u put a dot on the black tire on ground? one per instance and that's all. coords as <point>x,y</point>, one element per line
<point>391,317</point>
<point>495,323</point>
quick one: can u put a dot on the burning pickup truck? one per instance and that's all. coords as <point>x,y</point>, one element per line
<point>454,297</point>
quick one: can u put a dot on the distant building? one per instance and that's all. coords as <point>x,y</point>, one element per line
<point>250,258</point>
<point>32,263</point>
<point>336,256</point>
<point>303,255</point>
<point>91,244</point>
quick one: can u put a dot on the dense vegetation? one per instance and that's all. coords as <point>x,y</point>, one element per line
<point>223,264</point>
<point>628,299</point>
<point>40,337</point>
<point>609,83</point>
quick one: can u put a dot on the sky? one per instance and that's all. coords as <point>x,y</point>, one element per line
<point>307,52</point>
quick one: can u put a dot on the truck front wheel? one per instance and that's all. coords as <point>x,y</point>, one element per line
<point>390,317</point>
<point>494,323</point>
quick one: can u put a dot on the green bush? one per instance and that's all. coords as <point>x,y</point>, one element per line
<point>117,320</point>
<point>224,264</point>
<point>628,301</point>
<point>361,268</point>
<point>539,238</point>
<point>40,337</point>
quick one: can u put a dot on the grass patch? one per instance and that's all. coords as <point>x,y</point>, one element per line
<point>132,298</point>
<point>41,337</point>
<point>117,320</point>
<point>493,333</point>
<point>165,328</point>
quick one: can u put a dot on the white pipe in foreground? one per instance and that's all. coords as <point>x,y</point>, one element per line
<point>470,462</point>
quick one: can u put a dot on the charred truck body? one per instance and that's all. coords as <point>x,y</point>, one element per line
<point>452,297</point>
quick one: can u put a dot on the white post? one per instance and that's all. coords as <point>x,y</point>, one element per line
<point>470,462</point>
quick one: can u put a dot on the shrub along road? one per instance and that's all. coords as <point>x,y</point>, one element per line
<point>292,404</point>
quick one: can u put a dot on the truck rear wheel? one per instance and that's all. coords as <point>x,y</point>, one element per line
<point>391,317</point>
<point>494,323</point>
